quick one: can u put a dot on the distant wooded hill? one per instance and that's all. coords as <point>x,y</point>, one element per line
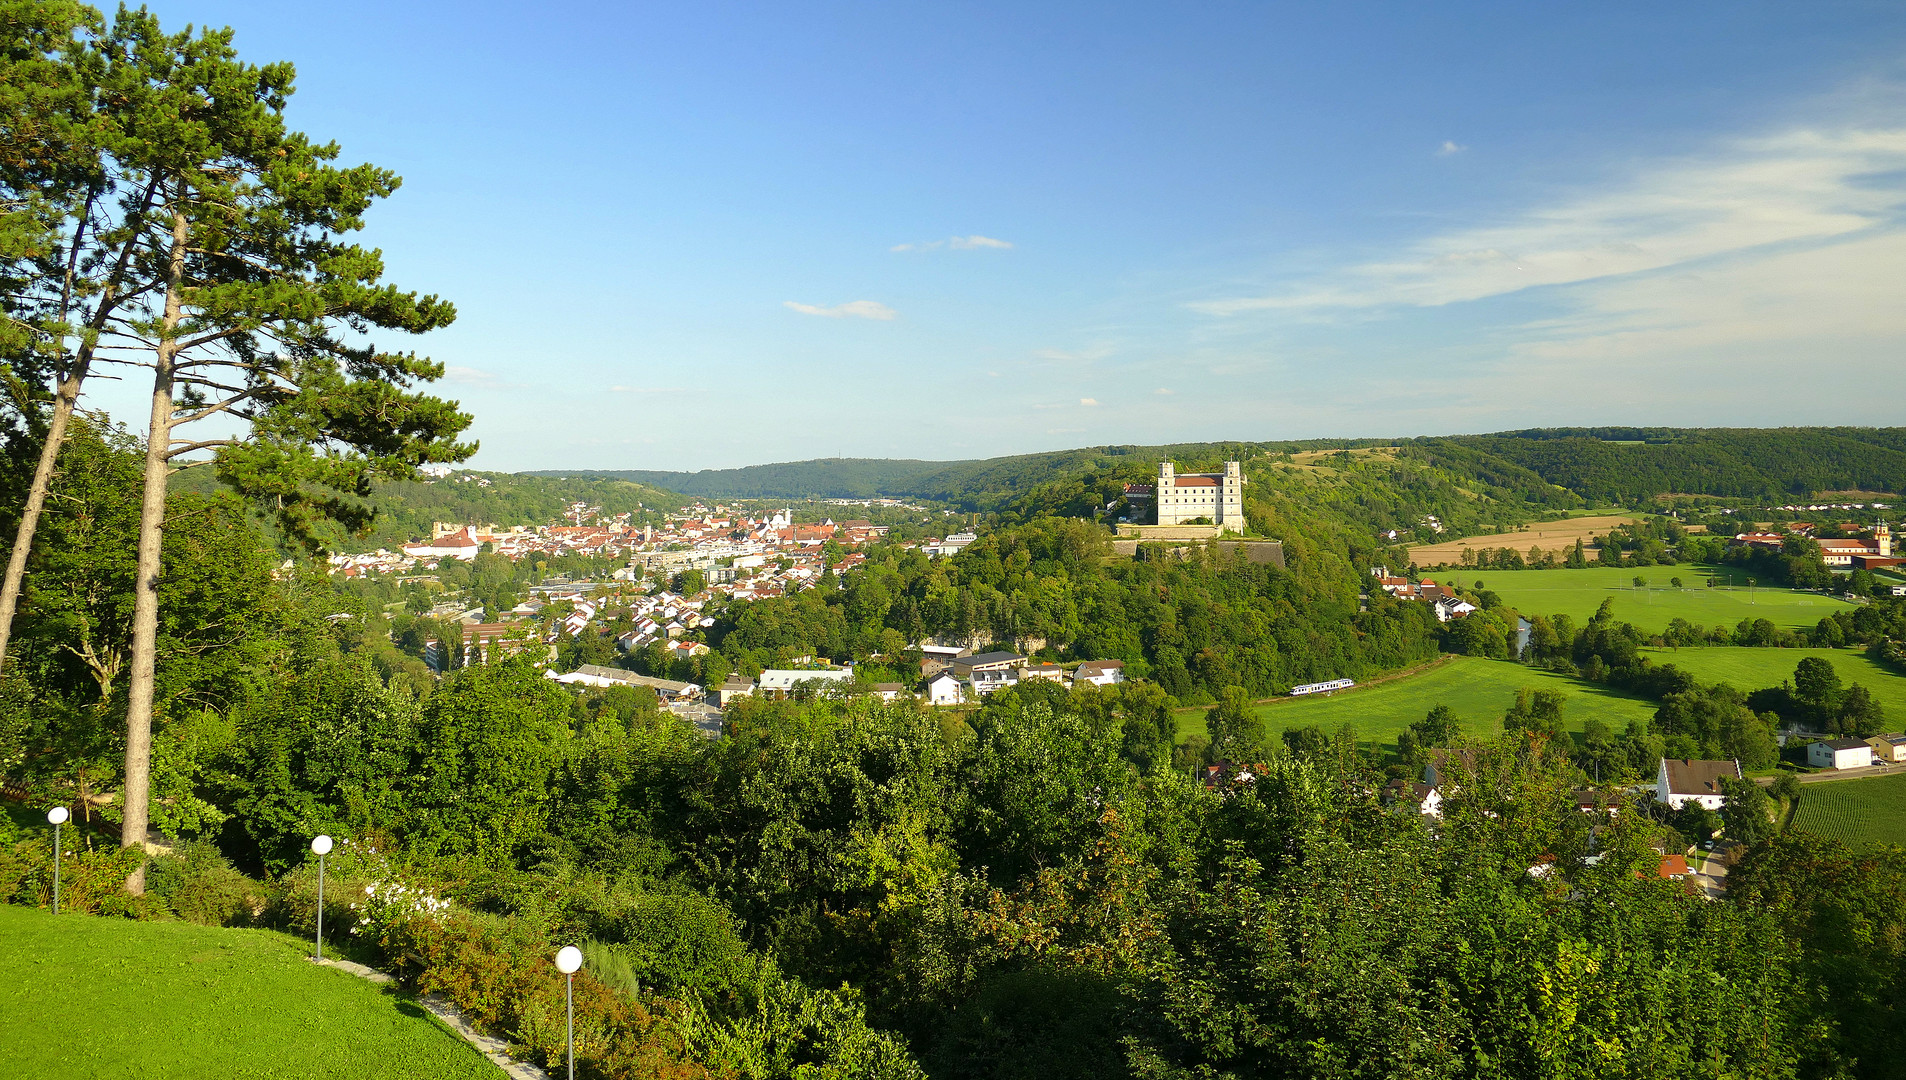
<point>1594,465</point>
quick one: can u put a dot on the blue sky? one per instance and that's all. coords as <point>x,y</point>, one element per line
<point>711,235</point>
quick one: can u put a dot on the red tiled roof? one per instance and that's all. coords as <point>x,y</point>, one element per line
<point>1196,481</point>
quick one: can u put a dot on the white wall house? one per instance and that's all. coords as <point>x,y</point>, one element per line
<point>944,689</point>
<point>1888,747</point>
<point>1839,754</point>
<point>1684,780</point>
<point>1099,672</point>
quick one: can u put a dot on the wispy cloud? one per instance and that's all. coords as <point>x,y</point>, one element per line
<point>1450,148</point>
<point>1076,356</point>
<point>1807,186</point>
<point>1164,391</point>
<point>468,376</point>
<point>1089,402</point>
<point>853,309</point>
<point>955,243</point>
<point>654,390</point>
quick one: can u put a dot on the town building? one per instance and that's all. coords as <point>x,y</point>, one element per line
<point>1684,780</point>
<point>945,689</point>
<point>1839,754</point>
<point>1217,496</point>
<point>776,684</point>
<point>1099,672</point>
<point>1888,748</point>
<point>967,666</point>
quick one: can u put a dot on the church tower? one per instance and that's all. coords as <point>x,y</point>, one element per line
<point>1883,539</point>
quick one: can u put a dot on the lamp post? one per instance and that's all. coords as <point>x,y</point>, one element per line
<point>56,816</point>
<point>568,961</point>
<point>321,846</point>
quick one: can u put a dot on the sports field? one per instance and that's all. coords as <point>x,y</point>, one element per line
<point>1867,812</point>
<point>94,997</point>
<point>1577,593</point>
<point>1751,669</point>
<point>1479,691</point>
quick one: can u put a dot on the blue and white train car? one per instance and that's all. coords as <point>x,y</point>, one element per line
<point>1322,687</point>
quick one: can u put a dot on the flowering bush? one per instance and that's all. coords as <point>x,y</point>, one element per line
<point>389,903</point>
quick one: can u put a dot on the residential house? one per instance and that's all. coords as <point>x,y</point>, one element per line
<point>597,675</point>
<point>1839,754</point>
<point>889,691</point>
<point>1437,772</point>
<point>1048,672</point>
<point>735,687</point>
<point>1680,781</point>
<point>1888,747</point>
<point>1424,797</point>
<point>990,679</point>
<point>944,688</point>
<point>1099,672</point>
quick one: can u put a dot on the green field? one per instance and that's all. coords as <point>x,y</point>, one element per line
<point>1577,593</point>
<point>1751,669</point>
<point>1479,691</point>
<point>94,997</point>
<point>1861,813</point>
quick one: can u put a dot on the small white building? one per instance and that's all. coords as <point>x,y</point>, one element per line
<point>735,687</point>
<point>1839,754</point>
<point>987,680</point>
<point>1099,672</point>
<point>945,689</point>
<point>1684,780</point>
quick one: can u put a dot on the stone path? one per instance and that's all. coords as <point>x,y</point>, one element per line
<point>495,1049</point>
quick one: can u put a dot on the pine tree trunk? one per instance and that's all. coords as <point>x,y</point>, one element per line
<point>63,405</point>
<point>145,610</point>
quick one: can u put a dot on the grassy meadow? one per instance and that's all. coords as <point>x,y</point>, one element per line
<point>1867,812</point>
<point>1479,691</point>
<point>96,998</point>
<point>1577,593</point>
<point>1751,669</point>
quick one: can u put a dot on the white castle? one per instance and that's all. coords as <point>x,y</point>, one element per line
<point>1218,496</point>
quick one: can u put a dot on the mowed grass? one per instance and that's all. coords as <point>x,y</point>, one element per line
<point>1751,669</point>
<point>1867,812</point>
<point>1478,691</point>
<point>95,997</point>
<point>1578,593</point>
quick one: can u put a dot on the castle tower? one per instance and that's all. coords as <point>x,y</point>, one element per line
<point>1231,496</point>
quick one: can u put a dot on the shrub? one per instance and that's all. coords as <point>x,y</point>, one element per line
<point>199,886</point>
<point>91,881</point>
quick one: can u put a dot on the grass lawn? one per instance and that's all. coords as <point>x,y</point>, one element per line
<point>1479,691</point>
<point>1751,669</point>
<point>1577,593</point>
<point>1866,812</point>
<point>94,997</point>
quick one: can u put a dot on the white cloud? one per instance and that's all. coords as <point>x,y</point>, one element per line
<point>469,376</point>
<point>653,390</point>
<point>1806,186</point>
<point>955,243</point>
<point>1449,149</point>
<point>1071,356</point>
<point>1164,391</point>
<point>1088,402</point>
<point>853,309</point>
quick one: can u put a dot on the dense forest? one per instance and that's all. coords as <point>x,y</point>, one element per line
<point>1544,466</point>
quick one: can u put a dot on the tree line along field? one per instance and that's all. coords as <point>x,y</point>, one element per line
<point>1555,537</point>
<point>1577,593</point>
<point>92,997</point>
<point>1867,812</point>
<point>1751,669</point>
<point>1479,692</point>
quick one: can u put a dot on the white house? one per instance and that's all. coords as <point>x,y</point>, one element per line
<point>1839,754</point>
<point>1684,780</point>
<point>1099,672</point>
<point>778,683</point>
<point>1452,607</point>
<point>735,687</point>
<point>987,680</point>
<point>944,689</point>
<point>888,691</point>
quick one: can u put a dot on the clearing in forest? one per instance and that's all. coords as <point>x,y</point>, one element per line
<point>1479,691</point>
<point>1751,669</point>
<point>1553,536</point>
<point>1577,593</point>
